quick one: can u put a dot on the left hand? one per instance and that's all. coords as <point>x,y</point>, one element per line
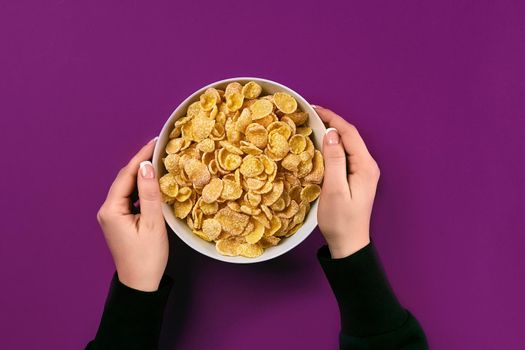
<point>349,187</point>
<point>138,242</point>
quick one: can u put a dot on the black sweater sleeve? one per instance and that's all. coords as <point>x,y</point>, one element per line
<point>371,316</point>
<point>132,319</point>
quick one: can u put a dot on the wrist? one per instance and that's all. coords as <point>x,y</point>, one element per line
<point>345,248</point>
<point>143,285</point>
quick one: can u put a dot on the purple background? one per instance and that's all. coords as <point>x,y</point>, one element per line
<point>437,91</point>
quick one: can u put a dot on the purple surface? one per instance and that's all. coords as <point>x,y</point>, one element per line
<point>436,90</point>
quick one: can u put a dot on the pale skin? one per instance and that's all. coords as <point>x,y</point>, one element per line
<point>349,187</point>
<point>139,243</point>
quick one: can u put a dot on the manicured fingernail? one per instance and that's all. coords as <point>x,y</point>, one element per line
<point>146,170</point>
<point>332,136</point>
<point>154,139</point>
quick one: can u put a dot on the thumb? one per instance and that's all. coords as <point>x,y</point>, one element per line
<point>335,175</point>
<point>149,196</point>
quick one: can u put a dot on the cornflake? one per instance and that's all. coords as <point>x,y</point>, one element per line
<point>241,169</point>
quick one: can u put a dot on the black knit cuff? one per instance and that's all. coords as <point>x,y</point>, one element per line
<point>132,316</point>
<point>366,303</point>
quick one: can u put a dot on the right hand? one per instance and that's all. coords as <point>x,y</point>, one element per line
<point>138,242</point>
<point>349,187</point>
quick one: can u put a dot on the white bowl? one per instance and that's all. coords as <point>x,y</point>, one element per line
<point>180,227</point>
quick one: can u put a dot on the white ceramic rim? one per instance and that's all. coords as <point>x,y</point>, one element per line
<point>270,253</point>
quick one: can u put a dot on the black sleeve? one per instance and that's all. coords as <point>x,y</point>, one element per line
<point>132,319</point>
<point>371,316</point>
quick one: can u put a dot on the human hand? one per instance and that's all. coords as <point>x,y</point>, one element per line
<point>138,242</point>
<point>349,187</point>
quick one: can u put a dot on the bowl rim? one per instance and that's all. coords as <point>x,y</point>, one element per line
<point>309,226</point>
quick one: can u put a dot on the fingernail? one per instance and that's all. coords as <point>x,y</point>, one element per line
<point>146,170</point>
<point>316,106</point>
<point>153,140</point>
<point>332,136</point>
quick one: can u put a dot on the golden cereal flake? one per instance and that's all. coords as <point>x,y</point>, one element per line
<point>211,228</point>
<point>212,191</point>
<point>251,90</point>
<point>284,102</point>
<point>232,221</point>
<point>261,108</point>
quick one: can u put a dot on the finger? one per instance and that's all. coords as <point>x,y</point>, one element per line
<point>352,141</point>
<point>125,182</point>
<point>149,196</point>
<point>335,175</point>
<point>360,162</point>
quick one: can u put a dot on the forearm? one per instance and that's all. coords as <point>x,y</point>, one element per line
<point>371,316</point>
<point>132,319</point>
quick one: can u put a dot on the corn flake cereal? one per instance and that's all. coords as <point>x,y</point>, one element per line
<point>231,221</point>
<point>211,228</point>
<point>212,191</point>
<point>257,135</point>
<point>241,169</point>
<point>251,250</point>
<point>228,246</point>
<point>182,209</point>
<point>168,185</point>
<point>251,90</point>
<point>261,108</point>
<point>310,192</point>
<point>284,102</point>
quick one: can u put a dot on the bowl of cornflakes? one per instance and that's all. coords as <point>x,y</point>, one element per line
<point>240,169</point>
